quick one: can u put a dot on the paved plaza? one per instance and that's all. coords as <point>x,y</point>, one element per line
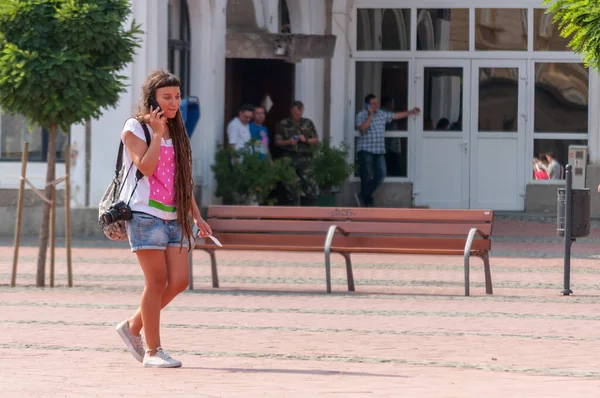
<point>271,331</point>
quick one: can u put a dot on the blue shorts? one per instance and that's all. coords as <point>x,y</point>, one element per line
<point>147,232</point>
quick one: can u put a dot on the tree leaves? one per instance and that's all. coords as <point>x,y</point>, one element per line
<point>580,18</point>
<point>60,60</point>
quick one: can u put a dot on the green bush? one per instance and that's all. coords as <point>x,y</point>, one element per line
<point>249,179</point>
<point>330,166</point>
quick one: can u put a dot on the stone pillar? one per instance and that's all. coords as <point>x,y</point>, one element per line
<point>340,129</point>
<point>207,81</point>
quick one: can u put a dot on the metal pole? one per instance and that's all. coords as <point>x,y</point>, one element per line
<point>191,265</point>
<point>24,157</point>
<point>568,221</point>
<point>68,215</point>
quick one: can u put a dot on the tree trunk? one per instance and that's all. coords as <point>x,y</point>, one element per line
<point>50,176</point>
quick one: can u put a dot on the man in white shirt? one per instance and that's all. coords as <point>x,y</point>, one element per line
<point>238,129</point>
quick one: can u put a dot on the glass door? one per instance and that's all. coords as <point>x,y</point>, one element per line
<point>442,133</point>
<point>499,120</point>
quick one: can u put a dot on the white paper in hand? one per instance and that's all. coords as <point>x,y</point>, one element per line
<point>196,231</point>
<point>215,240</point>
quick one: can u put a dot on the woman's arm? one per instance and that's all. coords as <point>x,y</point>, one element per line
<point>146,158</point>
<point>204,228</point>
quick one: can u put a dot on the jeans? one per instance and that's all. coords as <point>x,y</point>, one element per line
<point>147,232</point>
<point>372,171</point>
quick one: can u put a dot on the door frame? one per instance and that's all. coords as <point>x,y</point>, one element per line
<point>523,115</point>
<point>421,135</point>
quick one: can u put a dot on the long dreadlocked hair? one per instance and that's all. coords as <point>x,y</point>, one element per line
<point>184,185</point>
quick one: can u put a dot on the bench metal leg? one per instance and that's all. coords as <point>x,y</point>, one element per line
<point>328,241</point>
<point>488,274</point>
<point>191,261</point>
<point>213,268</point>
<point>349,273</point>
<point>328,271</point>
<point>468,245</point>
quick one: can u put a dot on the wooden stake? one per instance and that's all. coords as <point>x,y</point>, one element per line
<point>52,233</point>
<point>24,157</point>
<point>68,214</point>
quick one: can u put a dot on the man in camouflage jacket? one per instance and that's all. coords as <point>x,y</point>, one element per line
<point>296,136</point>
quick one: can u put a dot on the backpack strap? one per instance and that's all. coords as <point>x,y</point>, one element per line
<point>138,174</point>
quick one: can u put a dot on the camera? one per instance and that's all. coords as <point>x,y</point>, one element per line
<point>118,211</point>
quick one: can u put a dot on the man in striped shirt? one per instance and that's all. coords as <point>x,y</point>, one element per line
<point>371,123</point>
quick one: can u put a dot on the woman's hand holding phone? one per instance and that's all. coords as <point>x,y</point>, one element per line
<point>157,121</point>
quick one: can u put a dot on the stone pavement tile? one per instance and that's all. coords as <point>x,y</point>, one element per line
<point>498,352</point>
<point>114,374</point>
<point>546,329</point>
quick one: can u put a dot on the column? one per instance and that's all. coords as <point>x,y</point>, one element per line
<point>339,127</point>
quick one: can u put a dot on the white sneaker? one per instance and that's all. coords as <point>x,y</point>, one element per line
<point>162,359</point>
<point>134,344</point>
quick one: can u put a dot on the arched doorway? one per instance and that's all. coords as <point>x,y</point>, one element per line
<point>179,43</point>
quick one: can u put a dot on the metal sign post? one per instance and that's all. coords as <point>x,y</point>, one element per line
<point>568,225</point>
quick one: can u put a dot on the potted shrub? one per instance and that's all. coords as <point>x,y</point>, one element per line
<point>331,170</point>
<point>249,180</point>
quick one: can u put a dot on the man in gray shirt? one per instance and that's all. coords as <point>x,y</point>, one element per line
<point>371,123</point>
<point>555,170</point>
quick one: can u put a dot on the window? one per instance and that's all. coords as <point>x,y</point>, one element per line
<point>443,29</point>
<point>179,43</point>
<point>285,26</point>
<point>544,149</point>
<point>498,99</point>
<point>546,36</point>
<point>503,29</point>
<point>561,112</point>
<point>389,82</point>
<point>15,131</point>
<point>561,98</point>
<point>383,29</point>
<point>443,98</point>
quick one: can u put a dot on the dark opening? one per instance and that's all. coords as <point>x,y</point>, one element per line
<point>250,81</point>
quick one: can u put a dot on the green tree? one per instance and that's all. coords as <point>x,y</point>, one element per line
<point>581,19</point>
<point>60,64</point>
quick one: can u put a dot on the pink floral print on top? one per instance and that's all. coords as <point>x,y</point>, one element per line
<point>162,182</point>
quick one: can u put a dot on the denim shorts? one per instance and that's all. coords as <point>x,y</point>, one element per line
<point>147,232</point>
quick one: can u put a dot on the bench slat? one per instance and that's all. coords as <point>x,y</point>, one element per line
<point>339,249</point>
<point>377,243</point>
<point>373,214</point>
<point>365,227</point>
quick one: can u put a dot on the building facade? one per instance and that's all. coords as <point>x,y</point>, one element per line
<point>496,84</point>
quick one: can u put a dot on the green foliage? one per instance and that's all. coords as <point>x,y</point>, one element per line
<point>60,59</point>
<point>580,18</point>
<point>330,166</point>
<point>249,178</point>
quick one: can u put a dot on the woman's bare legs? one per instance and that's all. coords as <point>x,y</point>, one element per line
<point>178,278</point>
<point>154,266</point>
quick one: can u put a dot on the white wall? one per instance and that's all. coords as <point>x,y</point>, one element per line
<point>152,16</point>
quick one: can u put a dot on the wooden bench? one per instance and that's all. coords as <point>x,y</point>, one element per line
<point>351,230</point>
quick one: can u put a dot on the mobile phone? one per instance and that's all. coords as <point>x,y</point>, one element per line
<point>154,104</point>
<point>367,105</point>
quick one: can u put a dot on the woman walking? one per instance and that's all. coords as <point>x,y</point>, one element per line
<point>161,202</point>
